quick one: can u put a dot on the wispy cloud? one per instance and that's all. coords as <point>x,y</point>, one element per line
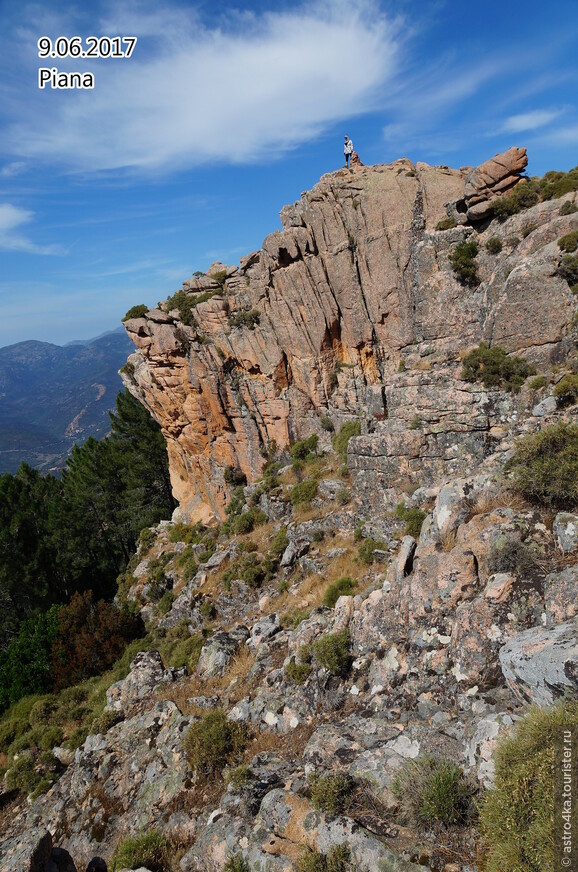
<point>192,94</point>
<point>529,120</point>
<point>11,238</point>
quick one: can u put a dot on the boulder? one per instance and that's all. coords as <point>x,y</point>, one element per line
<point>565,529</point>
<point>541,664</point>
<point>491,179</point>
<point>219,650</point>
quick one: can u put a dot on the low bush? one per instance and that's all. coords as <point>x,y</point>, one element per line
<point>413,518</point>
<point>146,538</point>
<point>291,620</point>
<point>495,368</point>
<point>304,449</point>
<point>510,555</point>
<point>568,269</point>
<point>544,466</point>
<point>340,440</point>
<point>523,196</point>
<point>238,778</point>
<point>517,815</point>
<point>165,603</point>
<point>327,423</point>
<point>245,319</point>
<point>214,741</point>
<point>529,228</point>
<point>185,305</point>
<point>138,311</point>
<point>150,849</point>
<point>568,208</point>
<point>569,242</point>
<point>344,586</point>
<point>555,184</point>
<point>187,563</point>
<point>539,381</point>
<point>332,652</point>
<point>463,262</point>
<point>337,860</point>
<point>331,793</point>
<point>446,224</point>
<point>301,494</point>
<point>235,476</point>
<point>236,863</point>
<point>367,548</point>
<point>566,391</point>
<point>430,790</point>
<point>297,672</point>
<point>494,245</point>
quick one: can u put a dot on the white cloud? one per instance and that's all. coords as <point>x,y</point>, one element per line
<point>191,94</point>
<point>11,239</point>
<point>529,120</point>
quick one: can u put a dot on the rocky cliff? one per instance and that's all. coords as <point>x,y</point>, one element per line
<point>353,310</point>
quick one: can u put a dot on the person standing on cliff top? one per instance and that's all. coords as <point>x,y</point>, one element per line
<point>347,149</point>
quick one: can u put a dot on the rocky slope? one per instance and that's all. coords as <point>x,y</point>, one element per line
<point>461,604</point>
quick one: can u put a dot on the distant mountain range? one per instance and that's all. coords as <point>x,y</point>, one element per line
<point>53,396</point>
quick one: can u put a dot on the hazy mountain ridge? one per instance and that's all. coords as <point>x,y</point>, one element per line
<point>52,396</point>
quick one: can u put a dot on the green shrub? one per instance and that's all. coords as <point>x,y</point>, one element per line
<point>146,538</point>
<point>517,816</point>
<point>413,518</point>
<point>430,789</point>
<point>415,423</point>
<point>568,208</point>
<point>568,268</point>
<point>545,466</point>
<point>185,304</point>
<point>279,543</point>
<point>495,368</point>
<point>235,476</point>
<point>337,860</point>
<point>332,651</point>
<point>291,620</point>
<point>344,586</point>
<point>297,672</point>
<point>343,497</point>
<point>523,196</point>
<point>494,245</point>
<point>301,494</point>
<point>331,793</point>
<point>366,551</point>
<point>245,319</point>
<point>529,228</point>
<point>569,242</point>
<point>304,449</point>
<point>463,262</point>
<point>219,276</point>
<point>555,184</point>
<point>239,778</point>
<point>138,311</point>
<point>446,224</point>
<point>50,737</point>
<point>236,863</point>
<point>327,423</point>
<point>401,367</point>
<point>207,610</point>
<point>165,603</point>
<point>340,440</point>
<point>539,381</point>
<point>187,563</point>
<point>510,555</point>
<point>151,849</point>
<point>214,741</point>
<point>566,391</point>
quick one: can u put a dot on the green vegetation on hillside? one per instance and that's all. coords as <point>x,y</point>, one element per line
<point>74,535</point>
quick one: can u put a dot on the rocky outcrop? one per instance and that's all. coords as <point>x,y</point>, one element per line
<point>352,310</point>
<point>491,179</point>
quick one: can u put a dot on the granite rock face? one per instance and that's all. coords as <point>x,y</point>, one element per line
<point>352,310</point>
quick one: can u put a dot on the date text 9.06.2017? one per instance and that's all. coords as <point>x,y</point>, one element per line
<point>118,47</point>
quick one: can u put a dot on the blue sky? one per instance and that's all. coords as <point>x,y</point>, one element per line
<point>184,153</point>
